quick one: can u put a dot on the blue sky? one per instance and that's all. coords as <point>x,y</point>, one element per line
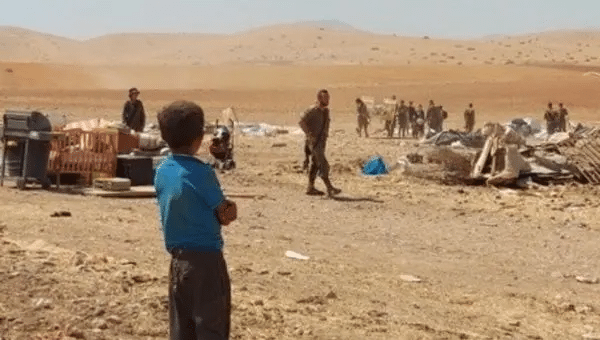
<point>436,18</point>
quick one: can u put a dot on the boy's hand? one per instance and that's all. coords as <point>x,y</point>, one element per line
<point>227,212</point>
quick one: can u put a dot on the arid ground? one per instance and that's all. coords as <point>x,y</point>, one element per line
<point>492,263</point>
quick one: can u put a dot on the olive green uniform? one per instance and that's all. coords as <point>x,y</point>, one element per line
<point>402,118</point>
<point>469,120</point>
<point>317,122</point>
<point>363,118</point>
<point>562,119</point>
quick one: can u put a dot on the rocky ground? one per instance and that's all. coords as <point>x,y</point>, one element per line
<point>394,257</point>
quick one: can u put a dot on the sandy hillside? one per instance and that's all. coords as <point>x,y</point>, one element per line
<point>299,44</point>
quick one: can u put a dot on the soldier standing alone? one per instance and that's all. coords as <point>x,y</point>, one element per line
<point>362,117</point>
<point>133,111</point>
<point>315,124</point>
<point>470,118</point>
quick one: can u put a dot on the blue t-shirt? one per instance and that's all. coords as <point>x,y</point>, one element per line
<point>188,192</point>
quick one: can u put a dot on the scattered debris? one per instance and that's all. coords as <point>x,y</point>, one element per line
<point>410,278</point>
<point>583,153</point>
<point>415,158</point>
<point>266,130</point>
<point>517,154</point>
<point>375,167</point>
<point>588,280</point>
<point>294,255</point>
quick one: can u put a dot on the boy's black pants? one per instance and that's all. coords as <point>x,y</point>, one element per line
<point>199,296</point>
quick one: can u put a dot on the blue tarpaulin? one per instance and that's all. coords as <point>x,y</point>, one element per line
<point>375,166</point>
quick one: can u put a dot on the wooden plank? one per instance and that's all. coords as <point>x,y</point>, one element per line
<point>147,191</point>
<point>478,169</point>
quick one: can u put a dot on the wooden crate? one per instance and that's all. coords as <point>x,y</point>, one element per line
<point>86,153</point>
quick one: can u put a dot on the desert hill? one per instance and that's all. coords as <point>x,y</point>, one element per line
<point>314,43</point>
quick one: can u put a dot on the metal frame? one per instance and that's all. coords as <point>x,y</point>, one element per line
<point>22,179</point>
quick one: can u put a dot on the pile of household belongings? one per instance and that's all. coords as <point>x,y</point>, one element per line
<point>520,153</point>
<point>456,139</point>
<point>150,141</point>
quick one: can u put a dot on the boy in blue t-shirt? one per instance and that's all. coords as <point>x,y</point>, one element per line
<point>192,210</point>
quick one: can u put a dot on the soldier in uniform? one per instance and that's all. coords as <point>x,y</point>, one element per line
<point>434,117</point>
<point>362,117</point>
<point>412,118</point>
<point>469,118</point>
<point>419,122</point>
<point>402,118</point>
<point>133,111</point>
<point>562,117</point>
<point>391,107</point>
<point>315,124</point>
<point>550,117</point>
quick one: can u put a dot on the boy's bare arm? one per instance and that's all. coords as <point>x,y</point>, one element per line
<point>227,212</point>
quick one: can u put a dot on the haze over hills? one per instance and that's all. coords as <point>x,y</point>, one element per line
<point>314,43</point>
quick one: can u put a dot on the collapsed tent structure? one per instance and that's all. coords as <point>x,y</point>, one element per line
<point>506,155</point>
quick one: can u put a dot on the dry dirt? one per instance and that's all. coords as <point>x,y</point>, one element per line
<point>493,264</point>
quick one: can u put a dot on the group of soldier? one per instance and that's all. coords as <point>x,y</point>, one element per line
<point>408,118</point>
<point>556,120</point>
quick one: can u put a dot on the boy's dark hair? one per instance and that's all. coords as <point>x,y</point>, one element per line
<point>181,123</point>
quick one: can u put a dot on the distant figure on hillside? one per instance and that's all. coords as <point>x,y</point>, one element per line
<point>551,118</point>
<point>402,118</point>
<point>315,124</point>
<point>469,118</point>
<point>134,115</point>
<point>562,117</point>
<point>362,117</point>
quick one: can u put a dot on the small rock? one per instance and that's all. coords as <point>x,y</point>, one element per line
<point>584,309</point>
<point>591,336</point>
<point>63,213</point>
<point>128,262</point>
<point>588,280</point>
<point>99,312</point>
<point>284,273</point>
<point>331,295</point>
<point>141,278</point>
<point>410,278</point>
<point>258,302</point>
<point>566,307</point>
<point>99,324</point>
<point>42,304</point>
<point>114,319</point>
<point>279,145</point>
<point>76,333</point>
<point>2,227</point>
